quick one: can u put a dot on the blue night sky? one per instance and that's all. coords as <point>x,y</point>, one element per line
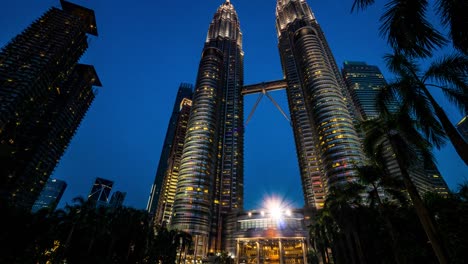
<point>146,48</point>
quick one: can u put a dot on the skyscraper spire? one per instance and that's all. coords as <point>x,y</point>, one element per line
<point>225,24</point>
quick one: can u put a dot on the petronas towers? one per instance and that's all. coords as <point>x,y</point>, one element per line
<point>210,177</point>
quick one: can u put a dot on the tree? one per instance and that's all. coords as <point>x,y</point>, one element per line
<point>407,145</point>
<point>377,177</point>
<point>340,202</point>
<point>408,30</point>
<point>452,219</point>
<point>450,75</point>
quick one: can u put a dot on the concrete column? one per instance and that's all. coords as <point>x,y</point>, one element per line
<point>280,245</point>
<point>304,250</point>
<point>237,250</point>
<point>195,252</point>
<point>258,252</point>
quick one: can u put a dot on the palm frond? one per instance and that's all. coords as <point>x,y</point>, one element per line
<point>426,121</point>
<point>419,147</point>
<point>361,4</point>
<point>368,174</point>
<point>453,14</point>
<point>451,70</point>
<point>375,135</point>
<point>387,100</point>
<point>406,28</point>
<point>460,100</point>
<point>398,195</point>
<point>416,103</point>
<point>402,65</point>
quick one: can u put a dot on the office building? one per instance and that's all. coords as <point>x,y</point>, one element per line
<point>185,91</point>
<point>44,95</point>
<point>50,195</point>
<point>100,193</point>
<point>364,83</point>
<point>169,185</point>
<point>117,199</point>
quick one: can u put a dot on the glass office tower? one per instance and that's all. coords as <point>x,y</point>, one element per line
<point>50,195</point>
<point>327,144</point>
<point>364,83</point>
<point>185,91</point>
<point>163,213</point>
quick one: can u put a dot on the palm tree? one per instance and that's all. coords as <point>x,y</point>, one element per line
<point>407,145</point>
<point>341,202</point>
<point>321,235</point>
<point>411,87</point>
<point>407,29</point>
<point>376,176</point>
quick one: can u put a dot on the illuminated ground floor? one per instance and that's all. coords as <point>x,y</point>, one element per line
<point>269,235</point>
<point>272,250</point>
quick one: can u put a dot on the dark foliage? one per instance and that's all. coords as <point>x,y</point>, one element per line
<point>84,233</point>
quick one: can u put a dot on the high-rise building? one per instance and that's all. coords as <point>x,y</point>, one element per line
<point>117,199</point>
<point>211,172</point>
<point>185,91</point>
<point>462,127</point>
<point>364,83</point>
<point>169,185</point>
<point>210,182</point>
<point>50,195</point>
<point>327,144</point>
<point>44,95</point>
<point>100,193</point>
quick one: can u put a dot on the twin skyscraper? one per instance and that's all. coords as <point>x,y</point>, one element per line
<point>210,177</point>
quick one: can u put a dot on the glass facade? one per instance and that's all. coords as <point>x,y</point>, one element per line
<point>364,83</point>
<point>44,95</point>
<point>101,190</point>
<point>50,195</point>
<point>185,91</point>
<point>327,144</point>
<point>117,199</point>
<point>211,172</point>
<point>261,238</point>
<point>169,184</point>
<point>192,209</point>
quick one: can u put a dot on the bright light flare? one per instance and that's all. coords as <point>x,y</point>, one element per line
<point>277,207</point>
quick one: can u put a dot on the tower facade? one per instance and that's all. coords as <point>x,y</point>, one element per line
<point>211,173</point>
<point>364,83</point>
<point>50,195</point>
<point>44,95</point>
<point>185,91</point>
<point>163,212</point>
<point>100,193</point>
<point>327,144</point>
<point>117,199</point>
